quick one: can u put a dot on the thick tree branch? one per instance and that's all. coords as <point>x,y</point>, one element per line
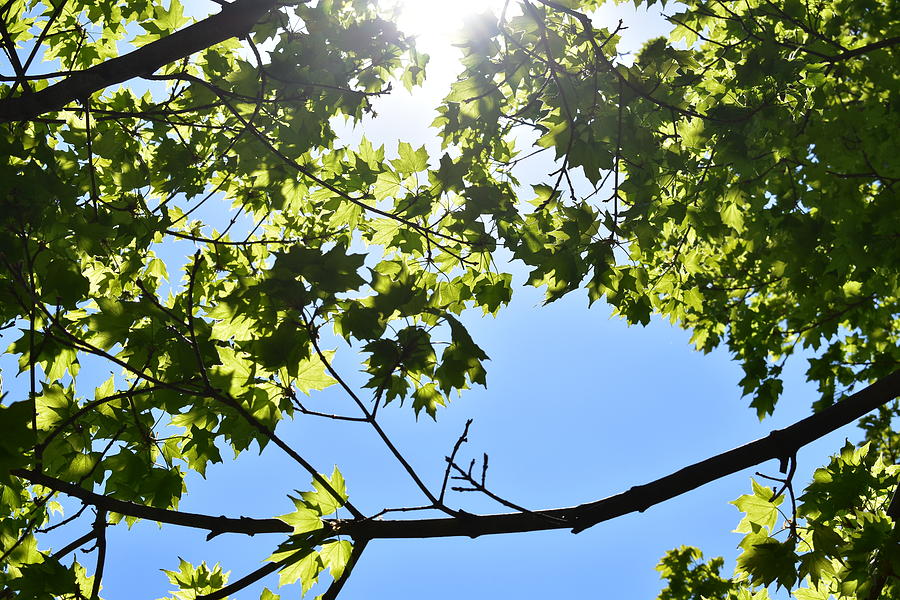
<point>780,444</point>
<point>235,20</point>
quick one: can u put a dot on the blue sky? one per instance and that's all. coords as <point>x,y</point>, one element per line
<point>578,407</point>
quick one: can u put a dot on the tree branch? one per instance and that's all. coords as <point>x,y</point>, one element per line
<point>74,545</point>
<point>370,419</point>
<point>234,20</point>
<point>780,444</point>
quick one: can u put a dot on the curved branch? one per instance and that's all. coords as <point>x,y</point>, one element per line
<point>780,444</point>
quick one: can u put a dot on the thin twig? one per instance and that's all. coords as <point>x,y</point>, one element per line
<point>75,544</point>
<point>479,487</point>
<point>371,420</point>
<point>459,442</point>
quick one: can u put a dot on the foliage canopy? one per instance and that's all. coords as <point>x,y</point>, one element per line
<point>738,177</point>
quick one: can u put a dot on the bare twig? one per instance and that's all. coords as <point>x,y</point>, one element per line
<point>459,442</point>
<point>371,420</point>
<point>466,475</point>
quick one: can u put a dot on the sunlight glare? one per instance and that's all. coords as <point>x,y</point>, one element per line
<point>437,22</point>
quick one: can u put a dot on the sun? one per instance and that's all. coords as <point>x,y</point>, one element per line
<point>437,22</point>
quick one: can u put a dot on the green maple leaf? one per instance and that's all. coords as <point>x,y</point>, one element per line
<point>335,555</point>
<point>303,520</point>
<point>760,512</point>
<point>321,500</point>
<point>410,160</point>
<point>312,373</point>
<point>305,567</point>
<point>767,560</point>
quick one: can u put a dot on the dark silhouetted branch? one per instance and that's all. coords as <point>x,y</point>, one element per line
<point>780,444</point>
<point>100,534</point>
<point>235,20</point>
